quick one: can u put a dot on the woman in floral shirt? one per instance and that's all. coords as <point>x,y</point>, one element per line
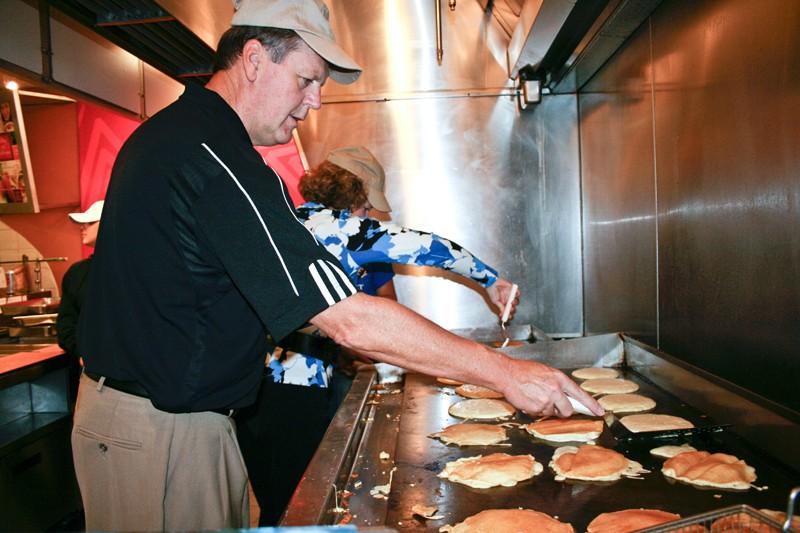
<point>280,435</point>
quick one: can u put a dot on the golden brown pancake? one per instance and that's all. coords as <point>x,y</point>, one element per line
<point>710,470</point>
<point>744,523</point>
<point>780,517</point>
<point>448,381</point>
<point>509,521</point>
<point>671,451</point>
<point>650,422</point>
<point>566,429</point>
<point>592,463</point>
<point>497,469</point>
<point>609,386</point>
<point>482,409</point>
<point>595,372</point>
<point>476,391</point>
<point>471,434</point>
<point>626,403</point>
<point>629,520</point>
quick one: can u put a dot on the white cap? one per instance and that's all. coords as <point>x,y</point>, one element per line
<point>90,215</point>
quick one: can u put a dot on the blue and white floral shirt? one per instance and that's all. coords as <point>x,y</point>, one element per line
<point>359,242</point>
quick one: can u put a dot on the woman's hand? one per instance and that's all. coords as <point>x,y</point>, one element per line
<point>499,293</point>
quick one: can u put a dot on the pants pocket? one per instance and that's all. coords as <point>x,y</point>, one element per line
<point>107,440</point>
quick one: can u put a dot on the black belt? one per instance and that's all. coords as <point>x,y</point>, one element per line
<point>320,347</point>
<point>132,387</point>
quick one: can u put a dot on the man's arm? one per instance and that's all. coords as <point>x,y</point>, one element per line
<point>386,331</point>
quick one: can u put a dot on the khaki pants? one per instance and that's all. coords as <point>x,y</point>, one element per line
<point>141,469</point>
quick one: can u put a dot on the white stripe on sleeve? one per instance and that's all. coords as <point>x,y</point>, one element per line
<point>312,268</point>
<point>258,214</point>
<point>332,279</point>
<point>343,276</point>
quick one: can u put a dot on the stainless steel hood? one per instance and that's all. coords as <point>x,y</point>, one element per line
<point>178,39</point>
<point>560,42</point>
<point>563,43</point>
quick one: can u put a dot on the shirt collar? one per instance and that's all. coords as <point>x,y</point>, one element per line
<point>212,104</point>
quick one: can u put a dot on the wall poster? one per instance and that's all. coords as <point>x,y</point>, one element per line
<point>17,190</point>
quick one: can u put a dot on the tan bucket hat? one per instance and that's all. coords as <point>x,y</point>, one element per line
<point>309,18</point>
<point>363,164</point>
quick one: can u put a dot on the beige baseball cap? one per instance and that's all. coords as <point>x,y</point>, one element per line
<point>91,215</point>
<point>363,164</point>
<point>309,18</point>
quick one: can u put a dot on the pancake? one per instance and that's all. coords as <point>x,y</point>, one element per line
<point>609,386</point>
<point>744,523</point>
<point>471,434</point>
<point>592,463</point>
<point>476,391</point>
<point>626,403</point>
<point>509,521</point>
<point>595,372</point>
<point>497,469</point>
<point>710,470</point>
<point>629,520</point>
<point>647,423</point>
<point>566,429</point>
<point>780,517</point>
<point>671,451</point>
<point>448,381</point>
<point>482,409</point>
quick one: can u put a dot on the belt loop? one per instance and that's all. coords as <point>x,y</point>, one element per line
<point>100,383</point>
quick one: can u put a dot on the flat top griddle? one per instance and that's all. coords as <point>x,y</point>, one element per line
<point>401,423</point>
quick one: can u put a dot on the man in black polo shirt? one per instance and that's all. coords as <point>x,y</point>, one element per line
<point>200,256</point>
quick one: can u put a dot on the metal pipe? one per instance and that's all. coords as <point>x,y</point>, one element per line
<point>439,48</point>
<point>46,41</point>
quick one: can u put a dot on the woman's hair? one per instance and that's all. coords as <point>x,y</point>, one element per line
<point>333,186</point>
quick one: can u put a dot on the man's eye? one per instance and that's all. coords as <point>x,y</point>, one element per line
<point>305,82</point>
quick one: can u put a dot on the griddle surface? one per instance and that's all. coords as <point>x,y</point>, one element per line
<point>419,459</point>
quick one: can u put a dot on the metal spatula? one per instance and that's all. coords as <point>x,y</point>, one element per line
<point>506,312</point>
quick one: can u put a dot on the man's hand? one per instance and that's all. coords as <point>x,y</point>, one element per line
<point>539,389</point>
<point>499,293</point>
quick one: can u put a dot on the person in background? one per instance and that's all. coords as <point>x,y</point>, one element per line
<point>299,395</point>
<point>200,260</point>
<point>73,288</point>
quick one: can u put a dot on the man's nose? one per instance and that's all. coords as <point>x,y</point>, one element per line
<point>314,96</point>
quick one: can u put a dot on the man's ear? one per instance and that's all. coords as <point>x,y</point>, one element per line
<point>252,57</point>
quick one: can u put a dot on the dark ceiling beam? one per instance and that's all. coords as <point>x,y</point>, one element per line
<point>129,22</point>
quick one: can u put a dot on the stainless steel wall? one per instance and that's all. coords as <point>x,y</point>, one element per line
<point>712,153</point>
<point>616,114</point>
<point>460,159</point>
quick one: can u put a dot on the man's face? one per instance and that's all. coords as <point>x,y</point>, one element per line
<point>284,93</point>
<point>89,233</point>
